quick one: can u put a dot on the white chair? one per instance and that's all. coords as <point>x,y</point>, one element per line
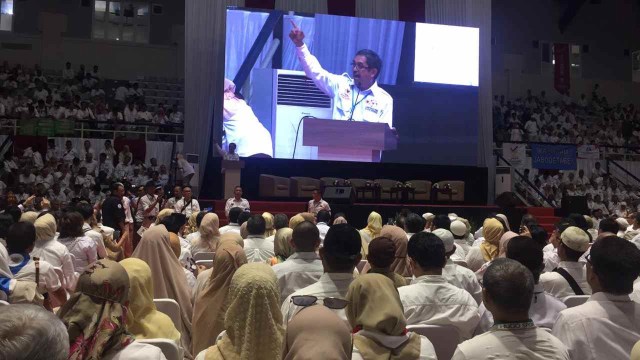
<point>361,265</point>
<point>2,302</point>
<point>169,348</point>
<point>204,256</point>
<point>575,300</point>
<point>444,338</point>
<point>206,263</point>
<point>171,308</point>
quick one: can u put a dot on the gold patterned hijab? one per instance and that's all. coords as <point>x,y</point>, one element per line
<point>400,264</point>
<point>492,230</point>
<point>95,316</point>
<point>253,320</point>
<point>374,225</point>
<point>375,308</point>
<point>295,221</point>
<point>317,333</point>
<point>268,219</point>
<point>144,320</point>
<point>211,305</point>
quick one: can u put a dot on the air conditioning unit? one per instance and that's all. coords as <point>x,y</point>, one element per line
<point>281,99</point>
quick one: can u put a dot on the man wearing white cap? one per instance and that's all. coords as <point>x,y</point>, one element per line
<point>460,235</point>
<point>455,274</point>
<point>570,277</point>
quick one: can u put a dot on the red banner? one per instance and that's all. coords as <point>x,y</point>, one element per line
<point>562,68</point>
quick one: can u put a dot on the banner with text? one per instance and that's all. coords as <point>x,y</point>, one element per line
<point>562,68</point>
<point>515,154</point>
<point>589,152</point>
<point>554,157</point>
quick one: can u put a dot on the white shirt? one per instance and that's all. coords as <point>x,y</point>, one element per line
<point>185,168</point>
<point>189,208</point>
<point>97,238</point>
<point>315,206</point>
<point>554,284</point>
<point>48,279</point>
<point>232,227</point>
<point>371,105</point>
<point>323,228</point>
<point>232,202</point>
<point>463,278</point>
<point>330,285</point>
<point>431,300</point>
<point>137,351</point>
<point>543,311</point>
<point>144,204</point>
<point>123,171</point>
<point>300,270</point>
<point>607,326</point>
<point>83,250</point>
<point>532,344</point>
<point>258,249</point>
<point>60,258</point>
<point>427,351</point>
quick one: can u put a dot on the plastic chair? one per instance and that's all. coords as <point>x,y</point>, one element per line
<point>206,263</point>
<point>575,300</point>
<point>204,256</point>
<point>171,308</point>
<point>445,338</point>
<point>169,348</point>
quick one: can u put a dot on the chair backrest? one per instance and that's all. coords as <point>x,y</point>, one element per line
<point>204,256</point>
<point>169,348</point>
<point>361,265</point>
<point>575,300</point>
<point>171,308</point>
<point>206,263</point>
<point>444,338</point>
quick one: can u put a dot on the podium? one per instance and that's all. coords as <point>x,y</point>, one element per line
<point>348,140</point>
<point>231,171</point>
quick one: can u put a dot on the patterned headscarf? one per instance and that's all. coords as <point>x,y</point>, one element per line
<point>268,220</point>
<point>95,316</point>
<point>492,230</point>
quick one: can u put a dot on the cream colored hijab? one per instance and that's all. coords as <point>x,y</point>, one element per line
<point>295,221</point>
<point>169,280</point>
<point>317,333</point>
<point>29,216</point>
<point>144,320</point>
<point>268,219</point>
<point>211,305</point>
<point>400,264</point>
<point>210,231</point>
<point>253,320</point>
<point>45,227</point>
<point>164,213</point>
<point>375,306</point>
<point>282,247</point>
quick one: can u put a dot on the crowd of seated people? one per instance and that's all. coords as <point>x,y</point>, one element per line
<point>590,120</point>
<point>602,191</point>
<point>278,290</point>
<point>80,95</point>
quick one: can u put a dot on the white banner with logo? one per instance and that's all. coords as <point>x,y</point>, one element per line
<point>588,152</point>
<point>516,154</point>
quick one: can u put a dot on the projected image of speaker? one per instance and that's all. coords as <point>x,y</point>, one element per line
<point>339,194</point>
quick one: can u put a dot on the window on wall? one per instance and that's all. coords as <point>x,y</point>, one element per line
<point>6,15</point>
<point>121,20</point>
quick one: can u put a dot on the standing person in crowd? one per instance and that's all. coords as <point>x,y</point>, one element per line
<point>177,195</point>
<point>375,313</point>
<point>186,170</point>
<point>430,299</point>
<point>257,248</point>
<point>508,289</point>
<point>382,253</point>
<point>304,266</point>
<point>113,216</point>
<point>253,299</point>
<point>187,205</point>
<point>95,316</point>
<point>148,206</point>
<point>236,201</point>
<point>316,204</point>
<point>607,325</point>
<point>340,255</point>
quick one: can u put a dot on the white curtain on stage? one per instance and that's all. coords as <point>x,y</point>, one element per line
<point>243,28</point>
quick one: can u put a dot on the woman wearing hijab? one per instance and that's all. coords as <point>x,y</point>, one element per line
<point>144,321</point>
<point>492,230</point>
<point>95,316</point>
<point>253,320</point>
<point>502,252</point>
<point>29,216</point>
<point>372,231</point>
<point>203,276</point>
<point>163,214</point>
<point>282,246</point>
<point>211,303</point>
<point>268,220</point>
<point>50,250</point>
<point>191,224</point>
<point>209,235</point>
<point>376,315</point>
<point>400,264</point>
<point>382,252</point>
<point>317,333</point>
<point>168,276</point>
<point>295,221</point>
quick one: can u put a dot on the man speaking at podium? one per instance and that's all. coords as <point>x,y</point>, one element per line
<point>357,99</point>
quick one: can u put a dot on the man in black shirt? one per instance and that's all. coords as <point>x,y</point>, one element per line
<point>113,210</point>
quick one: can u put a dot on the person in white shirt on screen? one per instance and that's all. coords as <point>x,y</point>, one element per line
<point>304,266</point>
<point>357,99</point>
<point>317,204</point>
<point>256,247</point>
<point>187,205</point>
<point>508,288</point>
<point>236,201</point>
<point>242,127</point>
<point>607,326</point>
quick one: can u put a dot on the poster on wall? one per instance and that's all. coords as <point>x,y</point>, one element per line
<point>515,154</point>
<point>554,157</point>
<point>589,152</point>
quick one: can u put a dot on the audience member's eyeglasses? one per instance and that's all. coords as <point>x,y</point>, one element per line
<point>358,66</point>
<point>330,302</point>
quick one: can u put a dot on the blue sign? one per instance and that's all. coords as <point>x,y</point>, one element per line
<point>554,157</point>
